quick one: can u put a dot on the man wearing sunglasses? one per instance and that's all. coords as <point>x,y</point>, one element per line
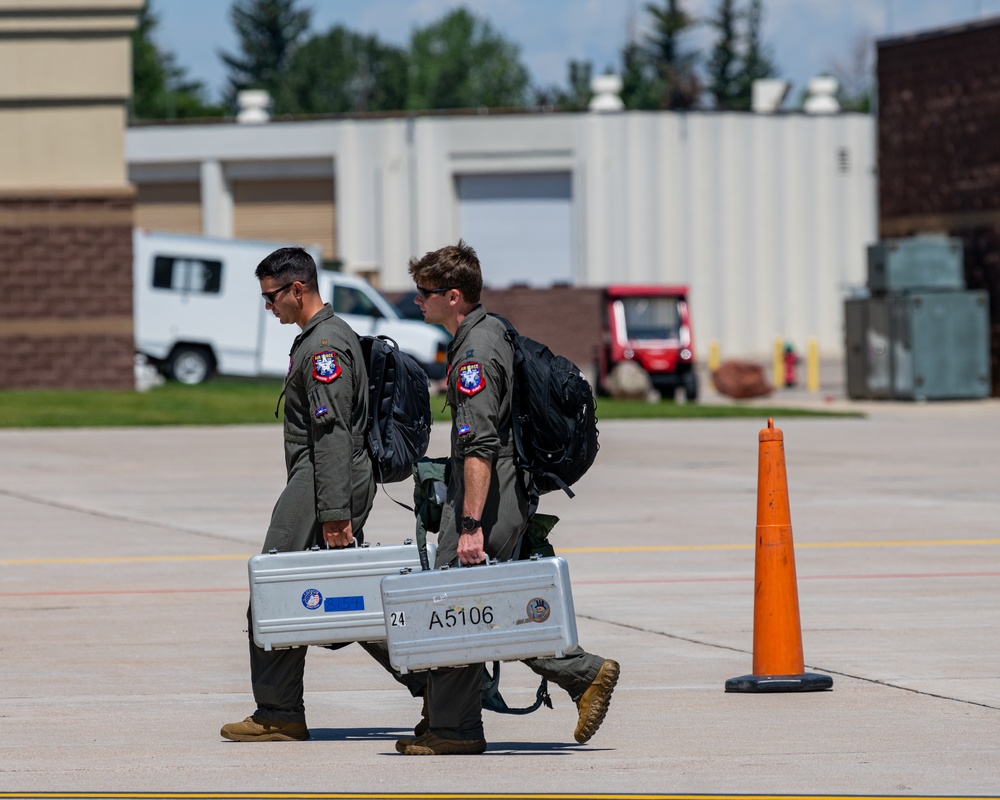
<point>330,487</point>
<point>486,508</point>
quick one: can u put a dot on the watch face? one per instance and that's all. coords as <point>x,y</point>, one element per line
<point>470,523</point>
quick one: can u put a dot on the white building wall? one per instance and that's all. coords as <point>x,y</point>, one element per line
<point>751,211</point>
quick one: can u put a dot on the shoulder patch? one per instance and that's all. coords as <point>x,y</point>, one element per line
<point>470,378</point>
<point>325,366</point>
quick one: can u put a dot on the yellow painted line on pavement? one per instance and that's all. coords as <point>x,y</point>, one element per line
<point>118,560</point>
<point>749,546</point>
<point>456,796</point>
<point>462,796</point>
<point>662,548</point>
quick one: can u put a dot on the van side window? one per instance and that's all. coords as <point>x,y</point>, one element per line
<point>187,274</point>
<point>350,301</point>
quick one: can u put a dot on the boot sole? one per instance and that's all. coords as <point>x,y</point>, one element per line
<point>263,737</point>
<point>419,750</point>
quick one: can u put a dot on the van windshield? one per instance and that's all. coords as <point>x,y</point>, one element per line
<point>650,317</point>
<point>347,300</point>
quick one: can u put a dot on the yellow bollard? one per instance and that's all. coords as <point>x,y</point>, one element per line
<point>779,363</point>
<point>812,365</point>
<point>713,360</point>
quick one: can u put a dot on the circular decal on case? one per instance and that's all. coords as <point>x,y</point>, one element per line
<point>538,609</point>
<point>312,599</point>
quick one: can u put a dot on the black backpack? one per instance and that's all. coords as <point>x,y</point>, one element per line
<point>399,409</point>
<point>555,419</point>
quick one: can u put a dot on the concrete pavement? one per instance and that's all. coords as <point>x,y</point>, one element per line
<point>123,563</point>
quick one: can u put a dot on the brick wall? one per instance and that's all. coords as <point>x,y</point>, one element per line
<point>66,284</point>
<point>939,148</point>
<point>566,318</point>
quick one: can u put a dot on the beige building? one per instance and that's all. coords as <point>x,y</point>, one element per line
<point>66,207</point>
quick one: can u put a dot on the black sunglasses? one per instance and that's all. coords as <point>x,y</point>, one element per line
<point>424,293</point>
<point>269,297</point>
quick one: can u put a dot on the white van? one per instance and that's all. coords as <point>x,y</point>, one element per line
<point>198,310</point>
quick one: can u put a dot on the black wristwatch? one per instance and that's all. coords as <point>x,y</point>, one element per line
<point>469,524</point>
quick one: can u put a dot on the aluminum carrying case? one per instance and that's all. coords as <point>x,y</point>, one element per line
<point>498,612</point>
<point>323,596</point>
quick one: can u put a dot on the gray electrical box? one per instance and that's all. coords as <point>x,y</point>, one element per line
<point>941,345</point>
<point>918,346</point>
<point>919,262</point>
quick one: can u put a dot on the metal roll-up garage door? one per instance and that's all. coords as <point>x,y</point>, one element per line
<point>173,207</point>
<point>520,224</point>
<point>299,210</point>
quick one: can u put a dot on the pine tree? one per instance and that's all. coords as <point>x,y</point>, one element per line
<point>757,62</point>
<point>268,33</point>
<point>724,61</point>
<point>675,66</point>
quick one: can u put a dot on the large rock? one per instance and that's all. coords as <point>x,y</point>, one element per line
<point>629,381</point>
<point>741,380</point>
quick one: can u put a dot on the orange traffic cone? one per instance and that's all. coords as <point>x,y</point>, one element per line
<point>777,636</point>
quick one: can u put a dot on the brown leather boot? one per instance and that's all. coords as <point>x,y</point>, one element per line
<point>253,729</point>
<point>593,703</point>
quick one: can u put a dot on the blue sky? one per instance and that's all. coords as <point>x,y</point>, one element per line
<point>806,36</point>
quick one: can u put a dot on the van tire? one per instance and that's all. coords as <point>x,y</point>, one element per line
<point>190,364</point>
<point>690,383</point>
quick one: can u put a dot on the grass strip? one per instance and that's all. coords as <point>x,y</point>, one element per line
<point>248,401</point>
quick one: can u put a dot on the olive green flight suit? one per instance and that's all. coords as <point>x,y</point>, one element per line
<point>329,478</point>
<point>480,376</point>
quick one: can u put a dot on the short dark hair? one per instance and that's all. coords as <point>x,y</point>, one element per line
<point>453,267</point>
<point>288,264</point>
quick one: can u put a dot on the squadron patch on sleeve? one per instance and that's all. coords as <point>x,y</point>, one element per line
<point>470,378</point>
<point>464,429</point>
<point>322,411</point>
<point>325,367</point>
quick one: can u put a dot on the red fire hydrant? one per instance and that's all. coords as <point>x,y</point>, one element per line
<point>791,362</point>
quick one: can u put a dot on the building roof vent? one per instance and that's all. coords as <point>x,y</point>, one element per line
<point>822,96</point>
<point>767,95</point>
<point>607,91</point>
<point>255,106</point>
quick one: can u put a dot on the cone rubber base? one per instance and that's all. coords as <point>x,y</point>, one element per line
<point>806,682</point>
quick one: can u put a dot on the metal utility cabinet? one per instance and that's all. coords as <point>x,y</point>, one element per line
<point>918,335</point>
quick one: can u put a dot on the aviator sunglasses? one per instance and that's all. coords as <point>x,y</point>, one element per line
<point>269,297</point>
<point>425,293</point>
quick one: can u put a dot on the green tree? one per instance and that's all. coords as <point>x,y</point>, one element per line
<point>757,62</point>
<point>723,63</point>
<point>576,97</point>
<point>660,73</point>
<point>268,33</point>
<point>340,72</point>
<point>460,61</point>
<point>160,89</point>
<point>642,85</point>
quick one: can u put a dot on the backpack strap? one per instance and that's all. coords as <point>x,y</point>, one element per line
<point>529,479</point>
<point>376,378</point>
<point>493,701</point>
<point>526,479</point>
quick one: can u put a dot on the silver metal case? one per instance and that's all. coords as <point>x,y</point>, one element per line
<point>324,596</point>
<point>499,612</point>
